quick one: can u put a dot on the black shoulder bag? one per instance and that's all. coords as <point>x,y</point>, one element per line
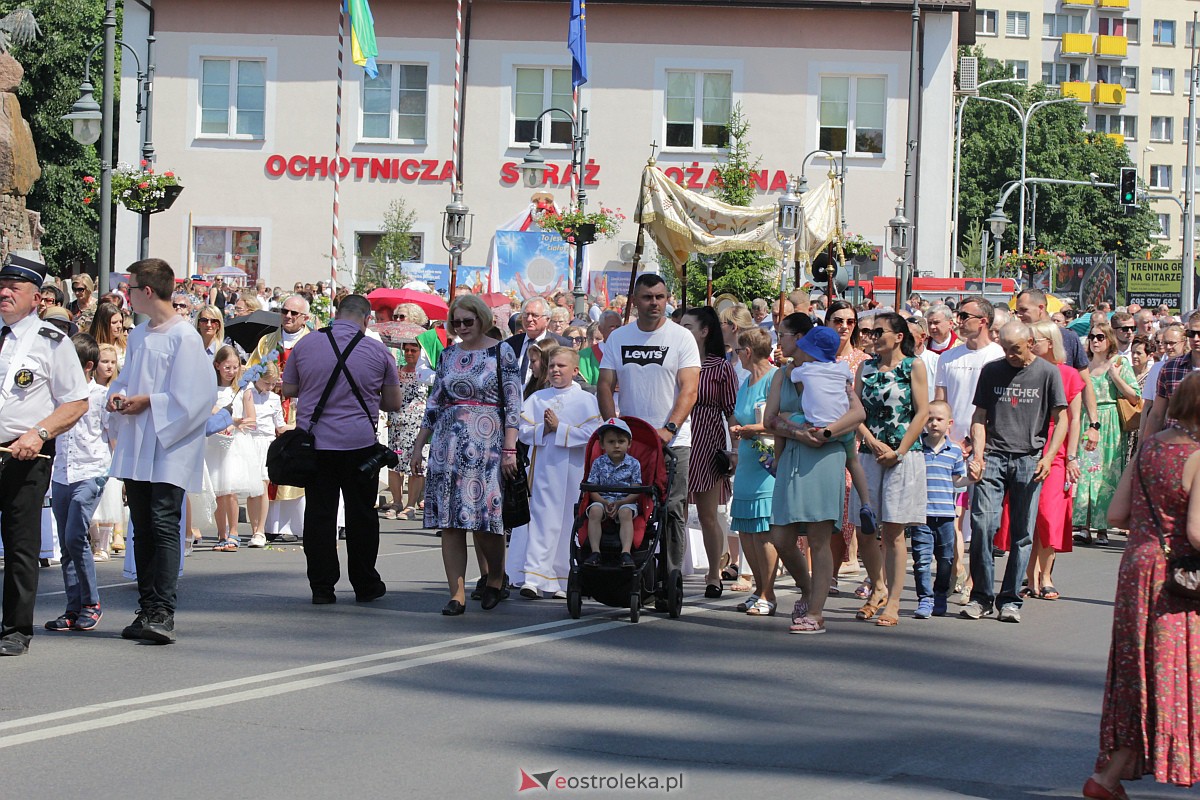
<point>1183,571</point>
<point>515,490</point>
<point>292,457</point>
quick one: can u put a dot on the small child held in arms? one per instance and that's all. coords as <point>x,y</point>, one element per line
<point>615,469</point>
<point>79,474</point>
<point>945,477</point>
<point>825,385</point>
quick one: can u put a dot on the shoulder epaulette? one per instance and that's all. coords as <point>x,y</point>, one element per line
<point>51,333</point>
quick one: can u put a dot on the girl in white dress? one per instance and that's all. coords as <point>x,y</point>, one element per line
<point>268,415</point>
<point>108,521</point>
<point>230,454</point>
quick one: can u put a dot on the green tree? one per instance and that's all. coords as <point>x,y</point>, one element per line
<point>743,273</point>
<point>395,246</point>
<point>1076,219</point>
<point>53,71</point>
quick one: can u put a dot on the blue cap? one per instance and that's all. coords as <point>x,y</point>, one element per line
<point>23,269</point>
<point>821,343</point>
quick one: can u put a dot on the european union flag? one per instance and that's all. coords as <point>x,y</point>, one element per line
<point>577,42</point>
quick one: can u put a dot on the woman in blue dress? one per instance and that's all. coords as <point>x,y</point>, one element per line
<point>472,431</point>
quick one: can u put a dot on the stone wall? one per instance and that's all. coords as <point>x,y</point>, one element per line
<point>20,229</point>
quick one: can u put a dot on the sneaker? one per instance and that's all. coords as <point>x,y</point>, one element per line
<point>1009,612</point>
<point>627,561</point>
<point>974,610</point>
<point>592,561</point>
<point>63,623</point>
<point>868,521</point>
<point>89,618</point>
<point>135,629</point>
<point>939,605</point>
<point>291,538</point>
<point>258,540</point>
<point>159,627</point>
<point>924,608</point>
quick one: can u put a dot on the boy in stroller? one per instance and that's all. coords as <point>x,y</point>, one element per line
<point>616,468</point>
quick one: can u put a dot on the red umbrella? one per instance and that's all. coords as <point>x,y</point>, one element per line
<point>495,299</point>
<point>397,333</point>
<point>433,306</point>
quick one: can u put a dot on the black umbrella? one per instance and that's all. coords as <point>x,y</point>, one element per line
<point>246,331</point>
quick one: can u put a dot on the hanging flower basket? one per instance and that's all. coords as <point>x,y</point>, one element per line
<point>582,227</point>
<point>855,246</point>
<point>139,189</point>
<point>1033,262</point>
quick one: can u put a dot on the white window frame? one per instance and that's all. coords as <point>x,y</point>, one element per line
<point>230,224</point>
<point>1161,25</point>
<point>1160,77</point>
<point>414,235</point>
<point>1126,75</point>
<point>547,66</point>
<point>1056,31</point>
<point>1123,122</point>
<point>984,16</point>
<point>393,106</point>
<point>1013,21</point>
<point>1157,173</point>
<point>1063,66</point>
<point>1106,26</point>
<point>1168,135</point>
<point>1164,227</point>
<point>196,55</point>
<point>1017,68</point>
<point>852,111</point>
<point>697,111</point>
<point>736,68</point>
<point>235,67</point>
<point>1133,30</point>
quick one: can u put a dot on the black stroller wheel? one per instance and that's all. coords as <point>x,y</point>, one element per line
<point>675,594</point>
<point>574,596</point>
<point>635,606</point>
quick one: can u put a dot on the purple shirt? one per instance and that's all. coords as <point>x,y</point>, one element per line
<point>342,425</point>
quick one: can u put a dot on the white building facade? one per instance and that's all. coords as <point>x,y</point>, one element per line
<point>245,94</point>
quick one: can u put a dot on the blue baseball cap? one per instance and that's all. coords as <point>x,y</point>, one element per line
<point>821,343</point>
<point>23,269</point>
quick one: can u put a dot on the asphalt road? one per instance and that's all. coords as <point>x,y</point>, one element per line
<point>266,696</point>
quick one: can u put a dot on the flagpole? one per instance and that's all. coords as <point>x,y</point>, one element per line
<point>337,150</point>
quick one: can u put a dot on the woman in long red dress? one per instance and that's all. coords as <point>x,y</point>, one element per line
<point>1150,724</point>
<point>713,413</point>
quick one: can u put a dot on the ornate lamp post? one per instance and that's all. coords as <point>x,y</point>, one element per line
<point>458,223</point>
<point>709,260</point>
<point>997,224</point>
<point>900,243</point>
<point>789,219</point>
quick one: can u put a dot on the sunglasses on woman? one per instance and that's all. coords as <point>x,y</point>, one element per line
<point>465,322</point>
<point>1097,337</point>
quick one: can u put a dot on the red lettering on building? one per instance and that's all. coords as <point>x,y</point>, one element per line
<point>318,166</point>
<point>780,180</point>
<point>509,174</point>
<point>410,169</point>
<point>276,166</point>
<point>381,169</point>
<point>298,166</point>
<point>758,180</point>
<point>591,174</point>
<point>674,174</point>
<point>427,170</point>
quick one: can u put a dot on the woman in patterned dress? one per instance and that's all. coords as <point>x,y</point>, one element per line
<point>708,487</point>
<point>1111,377</point>
<point>471,441</point>
<point>893,390</point>
<point>403,426</point>
<point>1149,723</point>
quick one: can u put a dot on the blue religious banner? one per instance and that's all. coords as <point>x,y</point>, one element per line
<point>532,264</point>
<point>437,276</point>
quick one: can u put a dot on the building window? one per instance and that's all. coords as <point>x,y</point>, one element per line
<point>1161,129</point>
<point>1162,80</point>
<point>1016,23</point>
<point>985,23</point>
<point>214,248</point>
<point>1160,176</point>
<point>1164,32</point>
<point>534,91</point>
<point>1117,123</point>
<point>698,107</point>
<point>1125,76</point>
<point>393,103</point>
<point>1189,34</point>
<point>1112,26</point>
<point>853,114</point>
<point>1133,30</point>
<point>1055,25</point>
<point>233,96</point>
<point>1018,69</point>
<point>364,248</point>
<point>1164,227</point>
<point>1054,73</point>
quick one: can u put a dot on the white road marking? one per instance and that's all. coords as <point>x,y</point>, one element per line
<point>109,586</point>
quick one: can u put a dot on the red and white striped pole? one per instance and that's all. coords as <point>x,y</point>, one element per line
<point>458,65</point>
<point>337,150</point>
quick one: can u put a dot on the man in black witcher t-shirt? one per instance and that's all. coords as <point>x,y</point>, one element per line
<point>1016,399</point>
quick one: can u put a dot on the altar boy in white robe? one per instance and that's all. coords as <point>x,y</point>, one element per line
<point>160,403</point>
<point>556,422</point>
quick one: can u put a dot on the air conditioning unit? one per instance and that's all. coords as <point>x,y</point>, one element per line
<point>968,75</point>
<point>625,250</point>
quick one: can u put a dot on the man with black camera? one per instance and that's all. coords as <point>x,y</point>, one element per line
<point>344,379</point>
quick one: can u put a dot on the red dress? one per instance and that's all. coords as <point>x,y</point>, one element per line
<point>1152,695</point>
<point>715,399</point>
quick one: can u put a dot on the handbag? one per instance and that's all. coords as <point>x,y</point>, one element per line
<point>514,491</point>
<point>292,457</point>
<point>1183,571</point>
<point>1130,414</point>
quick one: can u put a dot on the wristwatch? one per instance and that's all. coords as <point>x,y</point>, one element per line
<point>1095,426</point>
<point>42,432</point>
<point>900,456</point>
<point>671,428</point>
<point>1072,459</point>
<point>828,434</point>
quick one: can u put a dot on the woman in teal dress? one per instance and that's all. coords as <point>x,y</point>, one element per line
<point>810,478</point>
<point>753,485</point>
<point>1100,469</point>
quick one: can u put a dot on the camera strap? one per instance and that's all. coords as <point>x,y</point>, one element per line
<point>339,367</point>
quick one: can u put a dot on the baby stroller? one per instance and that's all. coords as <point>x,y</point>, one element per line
<point>651,577</point>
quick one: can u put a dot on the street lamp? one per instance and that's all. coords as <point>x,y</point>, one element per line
<point>91,121</point>
<point>458,223</point>
<point>789,220</point>
<point>709,260</point>
<point>997,224</point>
<point>533,172</point>
<point>900,243</point>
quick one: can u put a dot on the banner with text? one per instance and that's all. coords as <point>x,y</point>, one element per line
<point>532,263</point>
<point>1154,283</point>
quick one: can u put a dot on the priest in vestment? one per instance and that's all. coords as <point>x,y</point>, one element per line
<point>556,423</point>
<point>285,514</point>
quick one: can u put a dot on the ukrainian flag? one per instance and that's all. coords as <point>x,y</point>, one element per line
<point>362,36</point>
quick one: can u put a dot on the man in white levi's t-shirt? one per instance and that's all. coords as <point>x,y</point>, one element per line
<point>655,364</point>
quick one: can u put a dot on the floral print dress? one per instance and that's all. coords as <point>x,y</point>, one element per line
<point>1102,467</point>
<point>888,399</point>
<point>403,425</point>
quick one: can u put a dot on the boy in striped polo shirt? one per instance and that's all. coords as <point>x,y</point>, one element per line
<point>945,478</point>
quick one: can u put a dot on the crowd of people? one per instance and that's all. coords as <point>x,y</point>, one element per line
<point>808,436</point>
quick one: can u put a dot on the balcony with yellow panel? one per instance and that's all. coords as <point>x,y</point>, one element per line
<point>1080,90</point>
<point>1116,137</point>
<point>1112,46</point>
<point>1076,45</point>
<point>1113,3</point>
<point>1110,94</point>
<point>1078,3</point>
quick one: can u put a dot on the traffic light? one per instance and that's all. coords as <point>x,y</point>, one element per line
<point>1129,186</point>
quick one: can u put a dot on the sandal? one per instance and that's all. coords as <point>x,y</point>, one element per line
<point>807,625</point>
<point>834,591</point>
<point>1049,593</point>
<point>226,546</point>
<point>885,621</point>
<point>799,611</point>
<point>870,608</point>
<point>763,608</point>
<point>864,589</point>
<point>1027,592</point>
<point>406,513</point>
<point>390,512</point>
<point>713,591</point>
<point>745,606</point>
<point>730,572</point>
